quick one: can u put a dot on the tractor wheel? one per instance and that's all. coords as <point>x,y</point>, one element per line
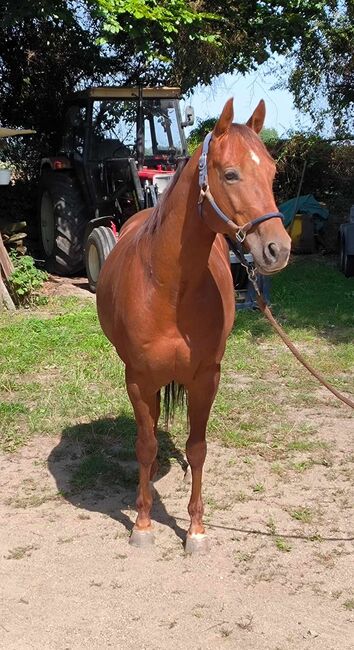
<point>99,244</point>
<point>346,261</point>
<point>341,252</point>
<point>62,221</point>
<point>348,265</point>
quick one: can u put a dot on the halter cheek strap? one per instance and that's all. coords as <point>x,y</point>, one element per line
<point>239,231</point>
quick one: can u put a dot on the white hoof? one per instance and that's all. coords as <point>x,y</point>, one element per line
<point>197,544</point>
<point>141,538</point>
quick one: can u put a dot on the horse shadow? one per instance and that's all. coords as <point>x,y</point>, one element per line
<point>94,468</point>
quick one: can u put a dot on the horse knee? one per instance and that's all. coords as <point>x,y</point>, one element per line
<point>146,449</point>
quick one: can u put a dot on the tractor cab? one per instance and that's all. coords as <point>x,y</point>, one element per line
<point>120,147</point>
<point>124,137</point>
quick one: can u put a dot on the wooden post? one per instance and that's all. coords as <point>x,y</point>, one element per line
<point>5,298</point>
<point>6,268</point>
<point>5,262</point>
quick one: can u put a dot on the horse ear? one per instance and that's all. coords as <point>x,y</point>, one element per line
<point>257,118</point>
<point>225,120</point>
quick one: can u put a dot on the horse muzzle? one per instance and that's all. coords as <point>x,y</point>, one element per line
<point>272,256</point>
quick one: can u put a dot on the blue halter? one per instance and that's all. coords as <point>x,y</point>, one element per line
<point>240,231</point>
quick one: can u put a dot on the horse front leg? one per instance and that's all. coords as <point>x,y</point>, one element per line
<point>146,410</point>
<point>155,465</point>
<point>201,394</point>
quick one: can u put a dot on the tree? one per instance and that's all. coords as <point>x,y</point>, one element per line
<point>190,42</point>
<point>322,68</point>
<point>197,135</point>
<point>269,136</point>
<point>44,54</point>
<point>150,41</point>
<point>49,48</point>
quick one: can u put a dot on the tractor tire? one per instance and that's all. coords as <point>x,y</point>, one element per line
<point>62,223</point>
<point>348,265</point>
<point>99,244</point>
<point>346,260</point>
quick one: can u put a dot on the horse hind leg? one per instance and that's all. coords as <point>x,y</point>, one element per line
<point>201,395</point>
<point>145,410</point>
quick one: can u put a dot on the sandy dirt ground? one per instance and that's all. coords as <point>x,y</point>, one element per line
<point>69,579</point>
<point>62,286</point>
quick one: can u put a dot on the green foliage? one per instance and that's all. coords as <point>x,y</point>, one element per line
<point>138,17</point>
<point>302,514</point>
<point>282,545</point>
<point>322,68</point>
<point>51,47</point>
<point>349,604</point>
<point>269,136</point>
<point>26,280</point>
<point>328,174</point>
<point>198,134</point>
<point>18,203</point>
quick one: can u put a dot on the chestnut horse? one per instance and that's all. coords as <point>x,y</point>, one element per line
<point>165,295</point>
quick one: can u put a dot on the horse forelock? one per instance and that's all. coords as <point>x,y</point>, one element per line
<point>248,137</point>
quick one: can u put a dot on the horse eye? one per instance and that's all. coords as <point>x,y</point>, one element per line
<point>232,175</point>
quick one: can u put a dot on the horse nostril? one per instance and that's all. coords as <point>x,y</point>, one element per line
<point>272,251</point>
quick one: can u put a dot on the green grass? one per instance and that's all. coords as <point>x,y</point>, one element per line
<point>349,604</point>
<point>305,515</point>
<point>60,375</point>
<point>282,545</point>
<point>258,487</point>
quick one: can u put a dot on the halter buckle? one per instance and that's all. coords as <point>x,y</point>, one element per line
<point>240,235</point>
<point>203,190</point>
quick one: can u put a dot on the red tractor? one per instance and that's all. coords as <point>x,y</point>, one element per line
<point>120,147</point>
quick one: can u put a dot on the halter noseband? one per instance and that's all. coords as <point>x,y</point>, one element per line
<point>240,231</point>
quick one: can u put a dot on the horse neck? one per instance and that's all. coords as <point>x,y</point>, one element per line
<point>180,246</point>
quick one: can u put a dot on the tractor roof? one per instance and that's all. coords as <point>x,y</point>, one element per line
<point>8,133</point>
<point>121,92</point>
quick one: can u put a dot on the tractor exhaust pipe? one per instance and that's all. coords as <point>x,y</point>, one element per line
<point>140,130</point>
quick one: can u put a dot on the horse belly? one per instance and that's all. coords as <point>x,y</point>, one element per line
<point>118,284</point>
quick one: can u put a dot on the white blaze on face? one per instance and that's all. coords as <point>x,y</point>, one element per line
<point>255,157</point>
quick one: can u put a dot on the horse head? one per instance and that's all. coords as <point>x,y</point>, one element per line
<point>238,180</point>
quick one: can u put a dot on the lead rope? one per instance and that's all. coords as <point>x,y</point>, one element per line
<point>236,245</point>
<point>278,328</point>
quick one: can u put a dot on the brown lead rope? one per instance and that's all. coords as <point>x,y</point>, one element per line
<point>268,314</point>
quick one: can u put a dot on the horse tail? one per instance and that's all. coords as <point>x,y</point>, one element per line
<point>174,396</point>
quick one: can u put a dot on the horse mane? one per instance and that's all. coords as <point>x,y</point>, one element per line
<point>153,222</point>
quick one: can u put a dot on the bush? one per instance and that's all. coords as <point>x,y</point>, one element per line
<point>198,134</point>
<point>328,176</point>
<point>25,281</point>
